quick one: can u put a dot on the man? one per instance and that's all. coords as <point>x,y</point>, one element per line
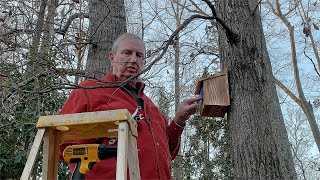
<point>157,142</point>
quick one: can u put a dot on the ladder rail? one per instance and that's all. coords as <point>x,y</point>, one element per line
<point>33,154</point>
<point>52,129</point>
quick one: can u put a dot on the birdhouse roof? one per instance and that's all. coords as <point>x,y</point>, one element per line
<point>200,81</point>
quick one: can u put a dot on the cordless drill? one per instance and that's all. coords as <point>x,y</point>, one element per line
<point>85,156</point>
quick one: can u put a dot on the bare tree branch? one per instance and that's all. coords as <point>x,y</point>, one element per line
<point>287,91</point>
<point>64,30</point>
<point>232,36</point>
<point>314,65</point>
<point>198,9</point>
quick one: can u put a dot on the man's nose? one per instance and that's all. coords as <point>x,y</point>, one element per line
<point>133,57</point>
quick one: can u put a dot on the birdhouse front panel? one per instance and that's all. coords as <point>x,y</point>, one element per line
<point>214,91</point>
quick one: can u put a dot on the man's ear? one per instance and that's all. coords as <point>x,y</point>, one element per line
<point>111,56</point>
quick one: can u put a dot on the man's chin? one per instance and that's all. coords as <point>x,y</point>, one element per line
<point>130,74</point>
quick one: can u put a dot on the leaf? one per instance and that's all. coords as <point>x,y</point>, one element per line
<point>315,26</point>
<point>17,159</point>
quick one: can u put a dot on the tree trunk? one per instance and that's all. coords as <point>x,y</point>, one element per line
<point>260,147</point>
<point>177,72</point>
<point>107,22</point>
<point>178,168</point>
<point>33,53</point>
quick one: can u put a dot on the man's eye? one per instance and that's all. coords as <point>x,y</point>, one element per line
<point>127,52</point>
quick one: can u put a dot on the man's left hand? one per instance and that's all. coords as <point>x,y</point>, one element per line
<point>187,108</point>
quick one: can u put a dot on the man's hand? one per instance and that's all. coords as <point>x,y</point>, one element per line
<point>185,110</point>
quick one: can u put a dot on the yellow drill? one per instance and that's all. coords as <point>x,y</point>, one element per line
<point>85,156</point>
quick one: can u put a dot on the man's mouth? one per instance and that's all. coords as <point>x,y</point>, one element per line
<point>131,69</point>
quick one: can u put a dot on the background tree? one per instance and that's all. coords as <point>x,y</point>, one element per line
<point>107,22</point>
<point>300,98</point>
<point>257,128</point>
<point>301,143</point>
<point>32,81</point>
<point>44,50</point>
<point>22,101</point>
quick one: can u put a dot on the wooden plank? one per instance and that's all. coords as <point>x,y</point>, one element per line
<point>216,91</point>
<point>84,118</point>
<point>122,154</point>
<point>200,81</point>
<point>33,154</point>
<point>133,159</point>
<point>56,154</point>
<point>50,155</point>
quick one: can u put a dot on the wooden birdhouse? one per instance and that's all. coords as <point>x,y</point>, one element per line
<point>214,91</point>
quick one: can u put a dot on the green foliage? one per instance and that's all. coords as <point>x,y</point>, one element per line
<point>12,158</point>
<point>207,156</point>
<point>163,101</point>
<point>64,173</point>
<point>20,111</point>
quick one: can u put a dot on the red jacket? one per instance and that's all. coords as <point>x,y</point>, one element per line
<point>158,143</point>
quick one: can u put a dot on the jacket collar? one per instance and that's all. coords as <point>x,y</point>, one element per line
<point>113,78</point>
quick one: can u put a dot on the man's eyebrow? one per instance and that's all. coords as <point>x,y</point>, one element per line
<point>138,52</point>
<point>126,50</point>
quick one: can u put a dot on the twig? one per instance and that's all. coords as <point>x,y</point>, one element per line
<point>259,3</point>
<point>232,37</point>
<point>314,65</point>
<point>170,40</point>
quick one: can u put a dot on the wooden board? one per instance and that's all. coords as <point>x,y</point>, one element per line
<point>89,124</point>
<point>122,151</point>
<point>111,116</point>
<point>33,154</point>
<point>133,160</point>
<point>214,91</point>
<point>50,154</point>
<point>200,81</point>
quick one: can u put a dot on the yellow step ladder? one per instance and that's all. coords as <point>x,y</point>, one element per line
<point>55,129</point>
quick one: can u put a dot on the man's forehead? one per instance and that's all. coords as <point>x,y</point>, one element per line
<point>126,44</point>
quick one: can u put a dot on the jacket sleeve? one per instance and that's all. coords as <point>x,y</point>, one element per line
<point>77,102</point>
<point>174,134</point>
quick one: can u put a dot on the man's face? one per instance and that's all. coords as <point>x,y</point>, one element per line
<point>128,59</point>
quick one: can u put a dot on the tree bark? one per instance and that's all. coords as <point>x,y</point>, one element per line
<point>178,169</point>
<point>107,22</point>
<point>260,147</point>
<point>33,52</point>
<point>49,27</point>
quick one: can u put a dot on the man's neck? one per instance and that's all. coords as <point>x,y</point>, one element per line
<point>132,83</point>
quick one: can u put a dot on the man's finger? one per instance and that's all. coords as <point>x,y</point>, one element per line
<point>192,100</point>
<point>190,109</point>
